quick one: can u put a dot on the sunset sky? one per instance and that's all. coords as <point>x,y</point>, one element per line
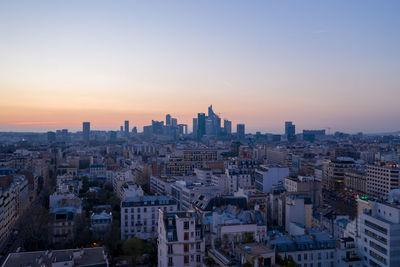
<point>317,63</point>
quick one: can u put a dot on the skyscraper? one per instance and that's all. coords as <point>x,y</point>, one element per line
<point>240,130</point>
<point>86,131</point>
<point>228,127</point>
<point>194,127</point>
<point>168,120</point>
<point>174,122</point>
<point>290,131</point>
<point>201,125</point>
<point>126,128</point>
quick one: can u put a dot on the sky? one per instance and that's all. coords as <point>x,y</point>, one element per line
<point>320,64</point>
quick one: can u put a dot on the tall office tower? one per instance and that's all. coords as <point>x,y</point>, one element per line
<point>168,120</point>
<point>217,125</point>
<point>201,125</point>
<point>290,131</point>
<point>86,131</point>
<point>210,127</point>
<point>194,127</point>
<point>174,122</point>
<point>134,130</point>
<point>126,128</point>
<point>121,129</point>
<point>228,127</point>
<point>240,130</point>
<point>211,112</point>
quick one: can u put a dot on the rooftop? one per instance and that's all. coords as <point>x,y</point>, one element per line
<point>83,257</point>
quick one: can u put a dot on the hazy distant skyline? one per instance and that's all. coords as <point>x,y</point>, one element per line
<point>319,64</point>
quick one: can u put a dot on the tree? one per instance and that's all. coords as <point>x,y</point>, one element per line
<point>82,233</point>
<point>134,248</point>
<point>112,239</point>
<point>34,228</point>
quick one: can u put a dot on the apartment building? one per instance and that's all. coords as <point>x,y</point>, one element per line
<point>356,180</point>
<point>307,185</point>
<point>14,199</point>
<point>379,230</point>
<point>333,172</point>
<point>267,176</point>
<point>180,239</point>
<point>139,215</point>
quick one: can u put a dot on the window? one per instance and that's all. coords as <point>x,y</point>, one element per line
<point>192,246</point>
<point>305,256</point>
<point>186,259</point>
<point>191,234</point>
<point>170,262</point>
<point>144,209</point>
<point>198,245</point>
<point>186,225</point>
<point>191,258</point>
<point>198,258</point>
<point>186,247</point>
<point>299,257</point>
<point>138,209</point>
<point>170,249</point>
<point>186,235</point>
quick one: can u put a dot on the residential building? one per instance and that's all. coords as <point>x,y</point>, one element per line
<point>100,222</point>
<point>334,171</point>
<point>83,257</point>
<point>267,176</point>
<point>180,239</point>
<point>356,180</point>
<point>306,185</point>
<point>139,215</point>
<point>256,254</point>
<point>298,209</point>
<point>379,231</point>
<point>312,248</point>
